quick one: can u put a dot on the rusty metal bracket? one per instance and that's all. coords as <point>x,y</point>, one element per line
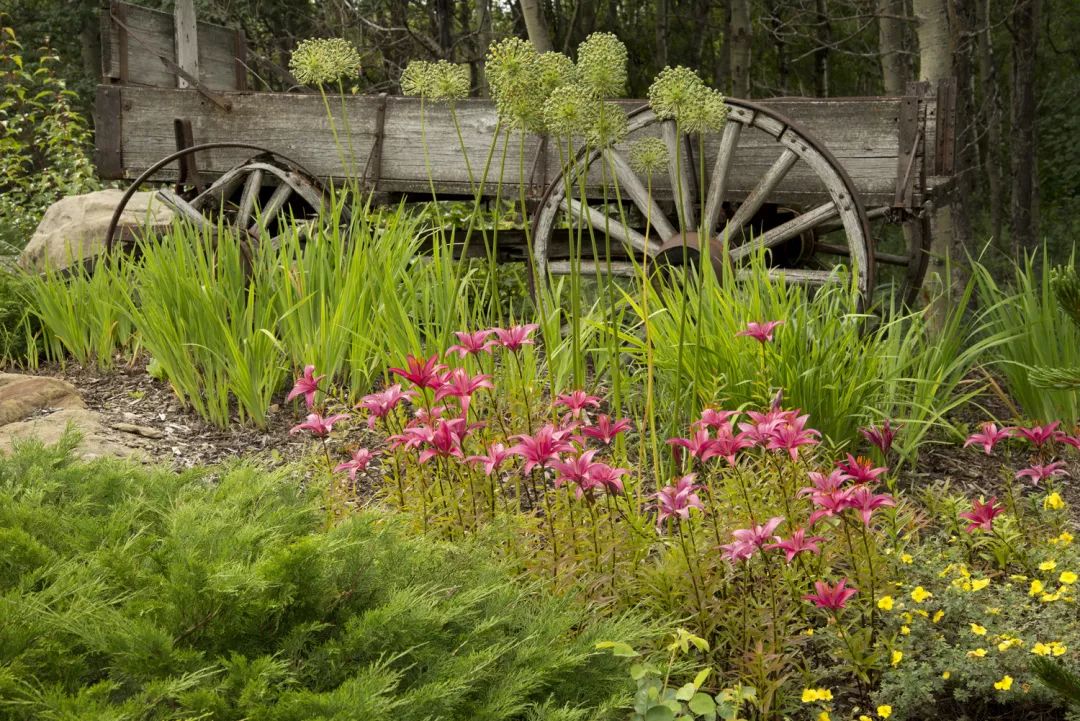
<point>189,166</point>
<point>374,158</point>
<point>910,138</point>
<point>169,63</point>
<point>945,157</point>
<point>539,163</point>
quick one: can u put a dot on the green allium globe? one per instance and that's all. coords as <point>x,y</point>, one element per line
<point>675,92</point>
<point>417,79</point>
<point>648,155</point>
<point>450,81</point>
<point>555,70</point>
<point>602,64</point>
<point>323,61</point>
<point>708,114</point>
<point>571,110</point>
<point>513,72</point>
<point>610,126</point>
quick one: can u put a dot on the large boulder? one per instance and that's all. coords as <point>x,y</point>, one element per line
<point>23,395</point>
<point>74,227</point>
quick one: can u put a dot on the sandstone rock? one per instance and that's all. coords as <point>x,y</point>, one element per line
<point>21,396</point>
<point>73,228</point>
<point>96,440</point>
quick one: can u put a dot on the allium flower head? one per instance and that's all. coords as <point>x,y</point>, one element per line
<point>649,156</point>
<point>830,597</point>
<point>571,111</point>
<point>677,93</point>
<point>450,81</point>
<point>555,70</point>
<point>609,127</point>
<point>322,61</point>
<point>602,64</point>
<point>709,114</point>
<point>417,79</point>
<point>514,75</point>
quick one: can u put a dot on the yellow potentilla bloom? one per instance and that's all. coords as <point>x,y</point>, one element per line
<point>810,695</point>
<point>906,615</point>
<point>1067,577</point>
<point>1040,649</point>
<point>808,632</point>
<point>920,594</point>
<point>906,558</point>
<point>896,656</point>
<point>824,716</point>
<point>1054,502</point>
<point>884,711</point>
<point>1008,642</point>
<point>1036,588</point>
<point>946,675</point>
<point>922,612</point>
<point>1004,684</point>
<point>1049,597</point>
<point>864,717</point>
<point>1057,648</point>
<point>979,584</point>
<point>885,603</point>
<point>938,616</point>
<point>977,653</point>
<point>978,630</point>
<point>905,630</point>
<point>1048,565</point>
<point>1065,538</point>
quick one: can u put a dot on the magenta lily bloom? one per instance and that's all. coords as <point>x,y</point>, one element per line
<point>861,470</point>
<point>576,403</point>
<point>317,425</point>
<point>542,447</point>
<point>378,405</point>
<point>422,373</point>
<point>677,499</point>
<point>737,551</point>
<point>574,470</point>
<point>471,343</point>
<point>306,385</point>
<point>1039,435</point>
<point>761,332</point>
<point>444,439</point>
<point>757,536</point>
<point>865,501</point>
<point>1038,472</point>
<point>822,484</point>
<point>989,437</point>
<point>881,437</point>
<point>358,462</point>
<point>829,504</point>
<point>1062,437</point>
<point>601,474</point>
<point>798,543</point>
<point>711,418</point>
<point>790,436</point>
<point>604,430</point>
<point>496,454</point>
<point>728,445</point>
<point>982,515</point>
<point>829,597</point>
<point>514,337</point>
<point>459,384</point>
<point>701,446</point>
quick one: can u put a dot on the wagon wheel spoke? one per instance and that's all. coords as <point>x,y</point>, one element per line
<point>639,193</point>
<point>605,223</point>
<point>181,207</point>
<point>718,185</point>
<point>219,190</point>
<point>802,276</point>
<point>792,228</point>
<point>271,209</point>
<point>760,193</point>
<point>248,198</point>
<point>621,268</point>
<point>682,180</point>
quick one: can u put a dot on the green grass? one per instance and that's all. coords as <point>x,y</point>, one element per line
<point>132,593</point>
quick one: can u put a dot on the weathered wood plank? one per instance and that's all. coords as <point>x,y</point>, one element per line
<point>187,39</point>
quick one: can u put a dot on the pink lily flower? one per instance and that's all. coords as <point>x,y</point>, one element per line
<point>471,343</point>
<point>1038,472</point>
<point>833,598</point>
<point>677,500</point>
<point>1065,438</point>
<point>378,405</point>
<point>982,515</point>
<point>317,425</point>
<point>711,418</point>
<point>866,502</point>
<point>574,470</point>
<point>602,474</point>
<point>359,462</point>
<point>576,404</point>
<point>514,337</point>
<point>989,437</point>
<point>798,543</point>
<point>422,373</point>
<point>1038,435</point>
<point>737,551</point>
<point>861,470</point>
<point>459,384</point>
<point>761,332</point>
<point>757,536</point>
<point>306,385</point>
<point>789,436</point>
<point>445,439</point>
<point>829,504</point>
<point>700,446</point>
<point>880,436</point>
<point>542,447</point>
<point>604,430</point>
<point>728,445</point>
<point>496,454</point>
<point>822,484</point>
<point>760,427</point>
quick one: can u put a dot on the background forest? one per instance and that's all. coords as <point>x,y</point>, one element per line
<point>1015,62</point>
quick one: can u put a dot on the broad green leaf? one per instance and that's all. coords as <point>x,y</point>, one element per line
<point>702,704</point>
<point>686,692</point>
<point>660,713</point>
<point>623,650</point>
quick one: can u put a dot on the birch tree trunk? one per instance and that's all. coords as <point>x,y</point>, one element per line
<point>895,71</point>
<point>533,14</point>
<point>1025,29</point>
<point>739,43</point>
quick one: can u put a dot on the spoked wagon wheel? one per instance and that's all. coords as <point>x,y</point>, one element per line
<point>763,219</point>
<point>255,197</point>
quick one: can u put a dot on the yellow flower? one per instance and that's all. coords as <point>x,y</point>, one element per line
<point>906,615</point>
<point>978,630</point>
<point>1048,565</point>
<point>1067,577</point>
<point>905,630</point>
<point>920,594</point>
<point>896,656</point>
<point>808,632</point>
<point>884,711</point>
<point>1057,648</point>
<point>1004,684</point>
<point>1065,538</point>
<point>810,695</point>
<point>977,653</point>
<point>993,610</point>
<point>1036,588</point>
<point>885,603</point>
<point>1008,642</point>
<point>938,616</point>
<point>1054,502</point>
<point>906,558</point>
<point>1040,649</point>
<point>945,675</point>
<point>922,612</point>
<point>1050,597</point>
<point>864,717</point>
<point>824,716</point>
<point>979,584</point>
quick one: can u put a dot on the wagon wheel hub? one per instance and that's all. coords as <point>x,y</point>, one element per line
<point>685,248</point>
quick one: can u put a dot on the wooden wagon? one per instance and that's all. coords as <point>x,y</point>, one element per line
<point>816,181</point>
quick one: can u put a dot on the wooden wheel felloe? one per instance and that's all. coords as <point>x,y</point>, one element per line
<point>253,197</point>
<point>693,215</point>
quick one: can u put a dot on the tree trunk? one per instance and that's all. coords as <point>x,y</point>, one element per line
<point>483,41</point>
<point>894,66</point>
<point>992,113</point>
<point>776,23</point>
<point>1024,21</point>
<point>740,37</point>
<point>533,14</point>
<point>660,28</point>
<point>823,35</point>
